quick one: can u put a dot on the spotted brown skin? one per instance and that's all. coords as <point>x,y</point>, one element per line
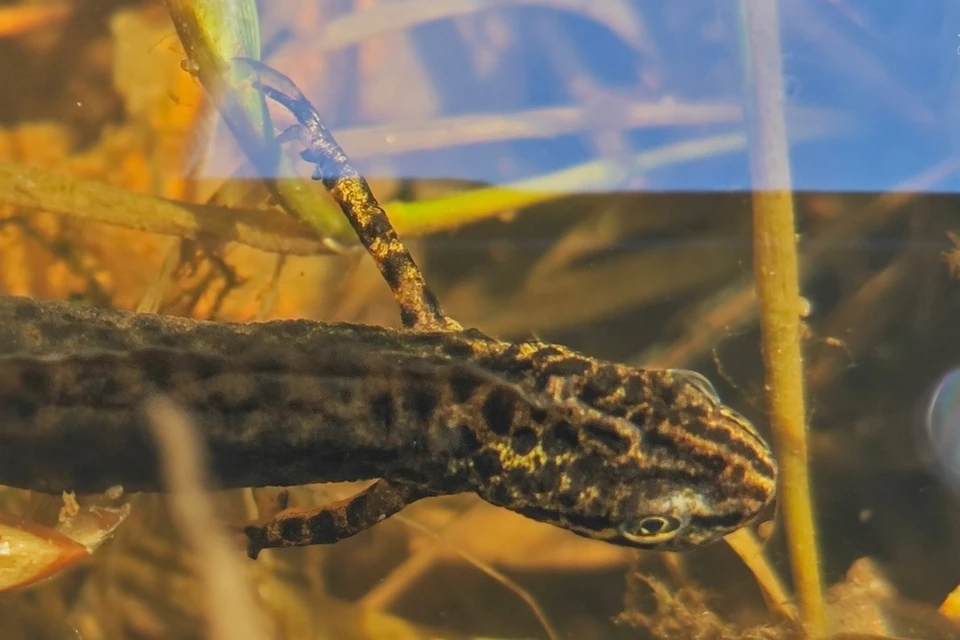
<point>644,458</point>
<point>418,305</point>
<point>646,443</point>
<point>558,436</point>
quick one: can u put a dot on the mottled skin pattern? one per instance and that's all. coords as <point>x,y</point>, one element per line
<point>588,445</point>
<point>645,458</point>
<point>419,307</point>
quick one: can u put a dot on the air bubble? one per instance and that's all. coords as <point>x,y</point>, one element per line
<point>698,380</point>
<point>943,427</point>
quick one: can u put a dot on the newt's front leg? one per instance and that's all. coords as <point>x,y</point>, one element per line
<point>299,527</point>
<point>419,308</point>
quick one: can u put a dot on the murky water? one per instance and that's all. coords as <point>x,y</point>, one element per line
<point>622,228</point>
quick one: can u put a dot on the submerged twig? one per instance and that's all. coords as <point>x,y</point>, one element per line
<point>268,230</point>
<point>34,189</point>
<point>24,18</point>
<point>212,33</point>
<point>519,591</point>
<point>745,544</point>
<point>441,132</point>
<point>734,308</point>
<point>777,281</point>
<point>380,19</point>
<point>232,610</point>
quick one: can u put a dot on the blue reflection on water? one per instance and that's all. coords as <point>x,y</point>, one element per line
<point>943,427</point>
<point>889,72</point>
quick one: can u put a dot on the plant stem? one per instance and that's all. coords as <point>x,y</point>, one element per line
<point>213,33</point>
<point>777,281</point>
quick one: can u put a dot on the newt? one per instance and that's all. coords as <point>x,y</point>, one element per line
<point>639,457</point>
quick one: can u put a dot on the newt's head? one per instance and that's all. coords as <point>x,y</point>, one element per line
<point>642,458</point>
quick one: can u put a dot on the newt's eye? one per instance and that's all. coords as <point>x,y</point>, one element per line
<point>651,529</point>
<point>697,380</point>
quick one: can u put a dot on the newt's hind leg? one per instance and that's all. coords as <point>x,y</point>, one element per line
<point>334,522</point>
<point>419,308</point>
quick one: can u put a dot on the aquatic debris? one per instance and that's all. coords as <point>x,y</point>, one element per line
<point>31,552</point>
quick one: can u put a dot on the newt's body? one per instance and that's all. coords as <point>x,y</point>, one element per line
<point>530,426</point>
<point>647,458</point>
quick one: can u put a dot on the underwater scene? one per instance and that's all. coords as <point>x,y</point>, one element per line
<point>486,319</point>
